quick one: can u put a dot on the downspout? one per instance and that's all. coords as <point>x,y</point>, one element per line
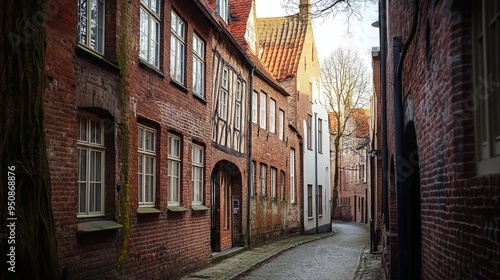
<point>383,91</point>
<point>316,167</point>
<point>372,201</point>
<point>399,54</point>
<point>249,179</point>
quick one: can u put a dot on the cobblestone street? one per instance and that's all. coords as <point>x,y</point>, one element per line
<point>333,257</point>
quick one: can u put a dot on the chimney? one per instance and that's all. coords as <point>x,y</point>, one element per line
<point>305,9</point>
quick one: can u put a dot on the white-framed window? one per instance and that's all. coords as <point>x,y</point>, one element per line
<point>263,175</point>
<point>263,110</point>
<point>282,185</point>
<point>146,165</point>
<point>274,175</point>
<point>237,108</point>
<point>254,107</point>
<point>252,178</point>
<point>272,115</point>
<point>281,125</point>
<point>198,66</point>
<point>197,163</point>
<point>292,175</point>
<point>177,48</point>
<point>150,32</point>
<point>320,136</point>
<point>174,169</point>
<point>362,176</point>
<point>309,201</point>
<point>224,94</point>
<point>320,200</point>
<point>91,24</point>
<point>90,166</point>
<point>486,61</point>
<point>309,132</point>
<point>223,10</point>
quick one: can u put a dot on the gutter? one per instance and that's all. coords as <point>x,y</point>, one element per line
<point>316,168</point>
<point>249,167</point>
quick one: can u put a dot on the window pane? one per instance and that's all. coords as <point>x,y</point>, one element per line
<point>82,129</point>
<point>82,197</point>
<point>143,53</point>
<point>82,165</point>
<point>98,197</point>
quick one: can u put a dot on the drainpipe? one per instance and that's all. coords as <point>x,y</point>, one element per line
<point>249,179</point>
<point>399,54</point>
<point>316,167</point>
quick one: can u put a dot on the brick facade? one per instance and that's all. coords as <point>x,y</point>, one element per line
<point>449,207</point>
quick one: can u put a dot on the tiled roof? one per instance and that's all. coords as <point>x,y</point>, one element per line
<point>281,40</point>
<point>239,11</point>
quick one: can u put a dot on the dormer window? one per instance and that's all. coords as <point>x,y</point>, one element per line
<point>223,8</point>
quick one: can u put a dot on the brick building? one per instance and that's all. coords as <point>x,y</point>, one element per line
<point>151,167</point>
<point>287,48</point>
<point>439,83</point>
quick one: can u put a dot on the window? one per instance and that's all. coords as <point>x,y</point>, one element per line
<point>254,107</point>
<point>174,169</point>
<point>252,178</point>
<point>224,94</point>
<point>320,136</point>
<point>272,115</point>
<point>362,172</point>
<point>197,159</point>
<point>237,109</point>
<point>309,133</point>
<point>320,200</point>
<point>273,182</point>
<point>486,60</point>
<point>146,165</point>
<point>263,110</point>
<point>150,32</point>
<point>309,201</point>
<point>91,24</point>
<point>177,43</point>
<point>292,175</point>
<point>281,124</point>
<point>90,149</point>
<point>224,10</point>
<point>263,170</point>
<point>282,185</point>
<point>198,66</point>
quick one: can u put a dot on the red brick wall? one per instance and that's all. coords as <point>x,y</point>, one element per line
<point>460,222</point>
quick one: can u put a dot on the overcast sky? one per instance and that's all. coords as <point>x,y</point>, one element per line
<point>332,33</point>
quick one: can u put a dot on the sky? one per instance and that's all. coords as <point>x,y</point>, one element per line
<point>332,33</point>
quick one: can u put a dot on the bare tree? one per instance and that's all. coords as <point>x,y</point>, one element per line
<point>331,8</point>
<point>346,90</point>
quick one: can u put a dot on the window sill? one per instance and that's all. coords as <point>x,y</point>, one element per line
<point>179,85</point>
<point>199,207</point>
<point>95,226</point>
<point>146,65</point>
<point>310,218</point>
<point>177,209</point>
<point>201,98</point>
<point>97,58</point>
<point>148,210</point>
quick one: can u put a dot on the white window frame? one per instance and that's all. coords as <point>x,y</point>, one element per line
<point>254,106</point>
<point>320,200</point>
<point>237,108</point>
<point>150,32</point>
<point>146,195</point>
<point>292,175</point>
<point>309,132</point>
<point>90,143</point>
<point>272,115</point>
<point>263,110</point>
<point>177,48</point>
<point>310,201</point>
<point>263,177</point>
<point>486,84</point>
<point>174,174</point>
<point>198,66</point>
<point>274,172</point>
<point>85,20</point>
<point>282,184</point>
<point>281,124</point>
<point>197,174</point>
<point>224,94</point>
<point>223,7</point>
<point>252,179</point>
